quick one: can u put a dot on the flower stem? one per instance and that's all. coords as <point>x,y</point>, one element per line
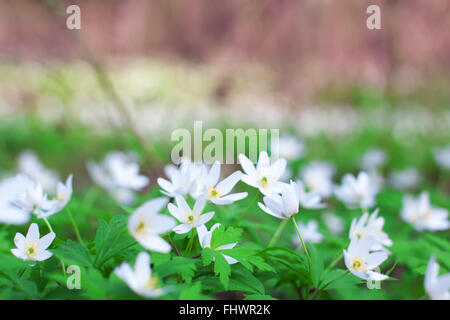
<point>47,223</point>
<point>75,227</point>
<point>277,233</point>
<point>303,243</point>
<point>191,242</point>
<point>173,245</point>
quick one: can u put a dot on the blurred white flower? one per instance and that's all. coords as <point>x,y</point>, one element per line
<point>357,192</point>
<point>308,200</point>
<point>334,223</point>
<point>205,236</point>
<point>33,247</point>
<point>404,179</point>
<point>442,157</point>
<point>373,159</point>
<point>118,174</point>
<point>310,233</point>
<point>437,287</point>
<point>190,218</point>
<point>63,196</point>
<point>265,176</point>
<point>289,147</point>
<point>10,188</point>
<point>422,215</point>
<point>140,279</point>
<point>361,260</point>
<point>146,225</point>
<point>318,177</point>
<point>29,164</point>
<point>218,192</point>
<point>371,226</point>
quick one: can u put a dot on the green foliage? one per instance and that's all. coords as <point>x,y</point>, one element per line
<point>260,273</point>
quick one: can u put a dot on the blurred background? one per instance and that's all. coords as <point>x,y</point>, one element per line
<point>310,65</point>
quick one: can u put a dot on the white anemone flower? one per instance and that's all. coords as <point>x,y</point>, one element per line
<point>373,159</point>
<point>190,218</point>
<point>9,189</point>
<point>63,196</point>
<point>404,179</point>
<point>371,226</point>
<point>422,215</point>
<point>289,147</point>
<point>282,206</point>
<point>118,174</point>
<point>362,261</point>
<point>334,223</point>
<point>218,192</point>
<point>318,177</point>
<point>32,247</point>
<point>357,192</point>
<point>140,278</point>
<point>265,176</point>
<point>33,199</point>
<point>309,231</point>
<point>437,287</point>
<point>205,236</point>
<point>29,164</point>
<point>185,179</point>
<point>442,157</point>
<point>146,225</point>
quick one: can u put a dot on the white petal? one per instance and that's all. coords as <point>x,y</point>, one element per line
<point>225,186</point>
<point>19,240</point>
<point>46,240</point>
<point>43,255</point>
<point>182,228</point>
<point>33,233</point>
<point>247,165</point>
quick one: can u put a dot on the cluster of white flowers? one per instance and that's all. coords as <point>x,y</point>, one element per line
<point>24,195</point>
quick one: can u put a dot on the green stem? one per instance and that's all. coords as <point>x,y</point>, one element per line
<point>303,244</point>
<point>75,226</point>
<point>47,223</point>
<point>277,233</point>
<point>191,242</point>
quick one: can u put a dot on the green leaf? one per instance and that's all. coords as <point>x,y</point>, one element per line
<point>72,252</point>
<point>207,256</point>
<point>178,265</point>
<point>222,268</point>
<point>222,236</point>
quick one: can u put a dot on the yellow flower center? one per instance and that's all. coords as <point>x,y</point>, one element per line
<point>213,193</point>
<point>151,283</point>
<point>31,250</point>
<point>358,264</point>
<point>141,230</point>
